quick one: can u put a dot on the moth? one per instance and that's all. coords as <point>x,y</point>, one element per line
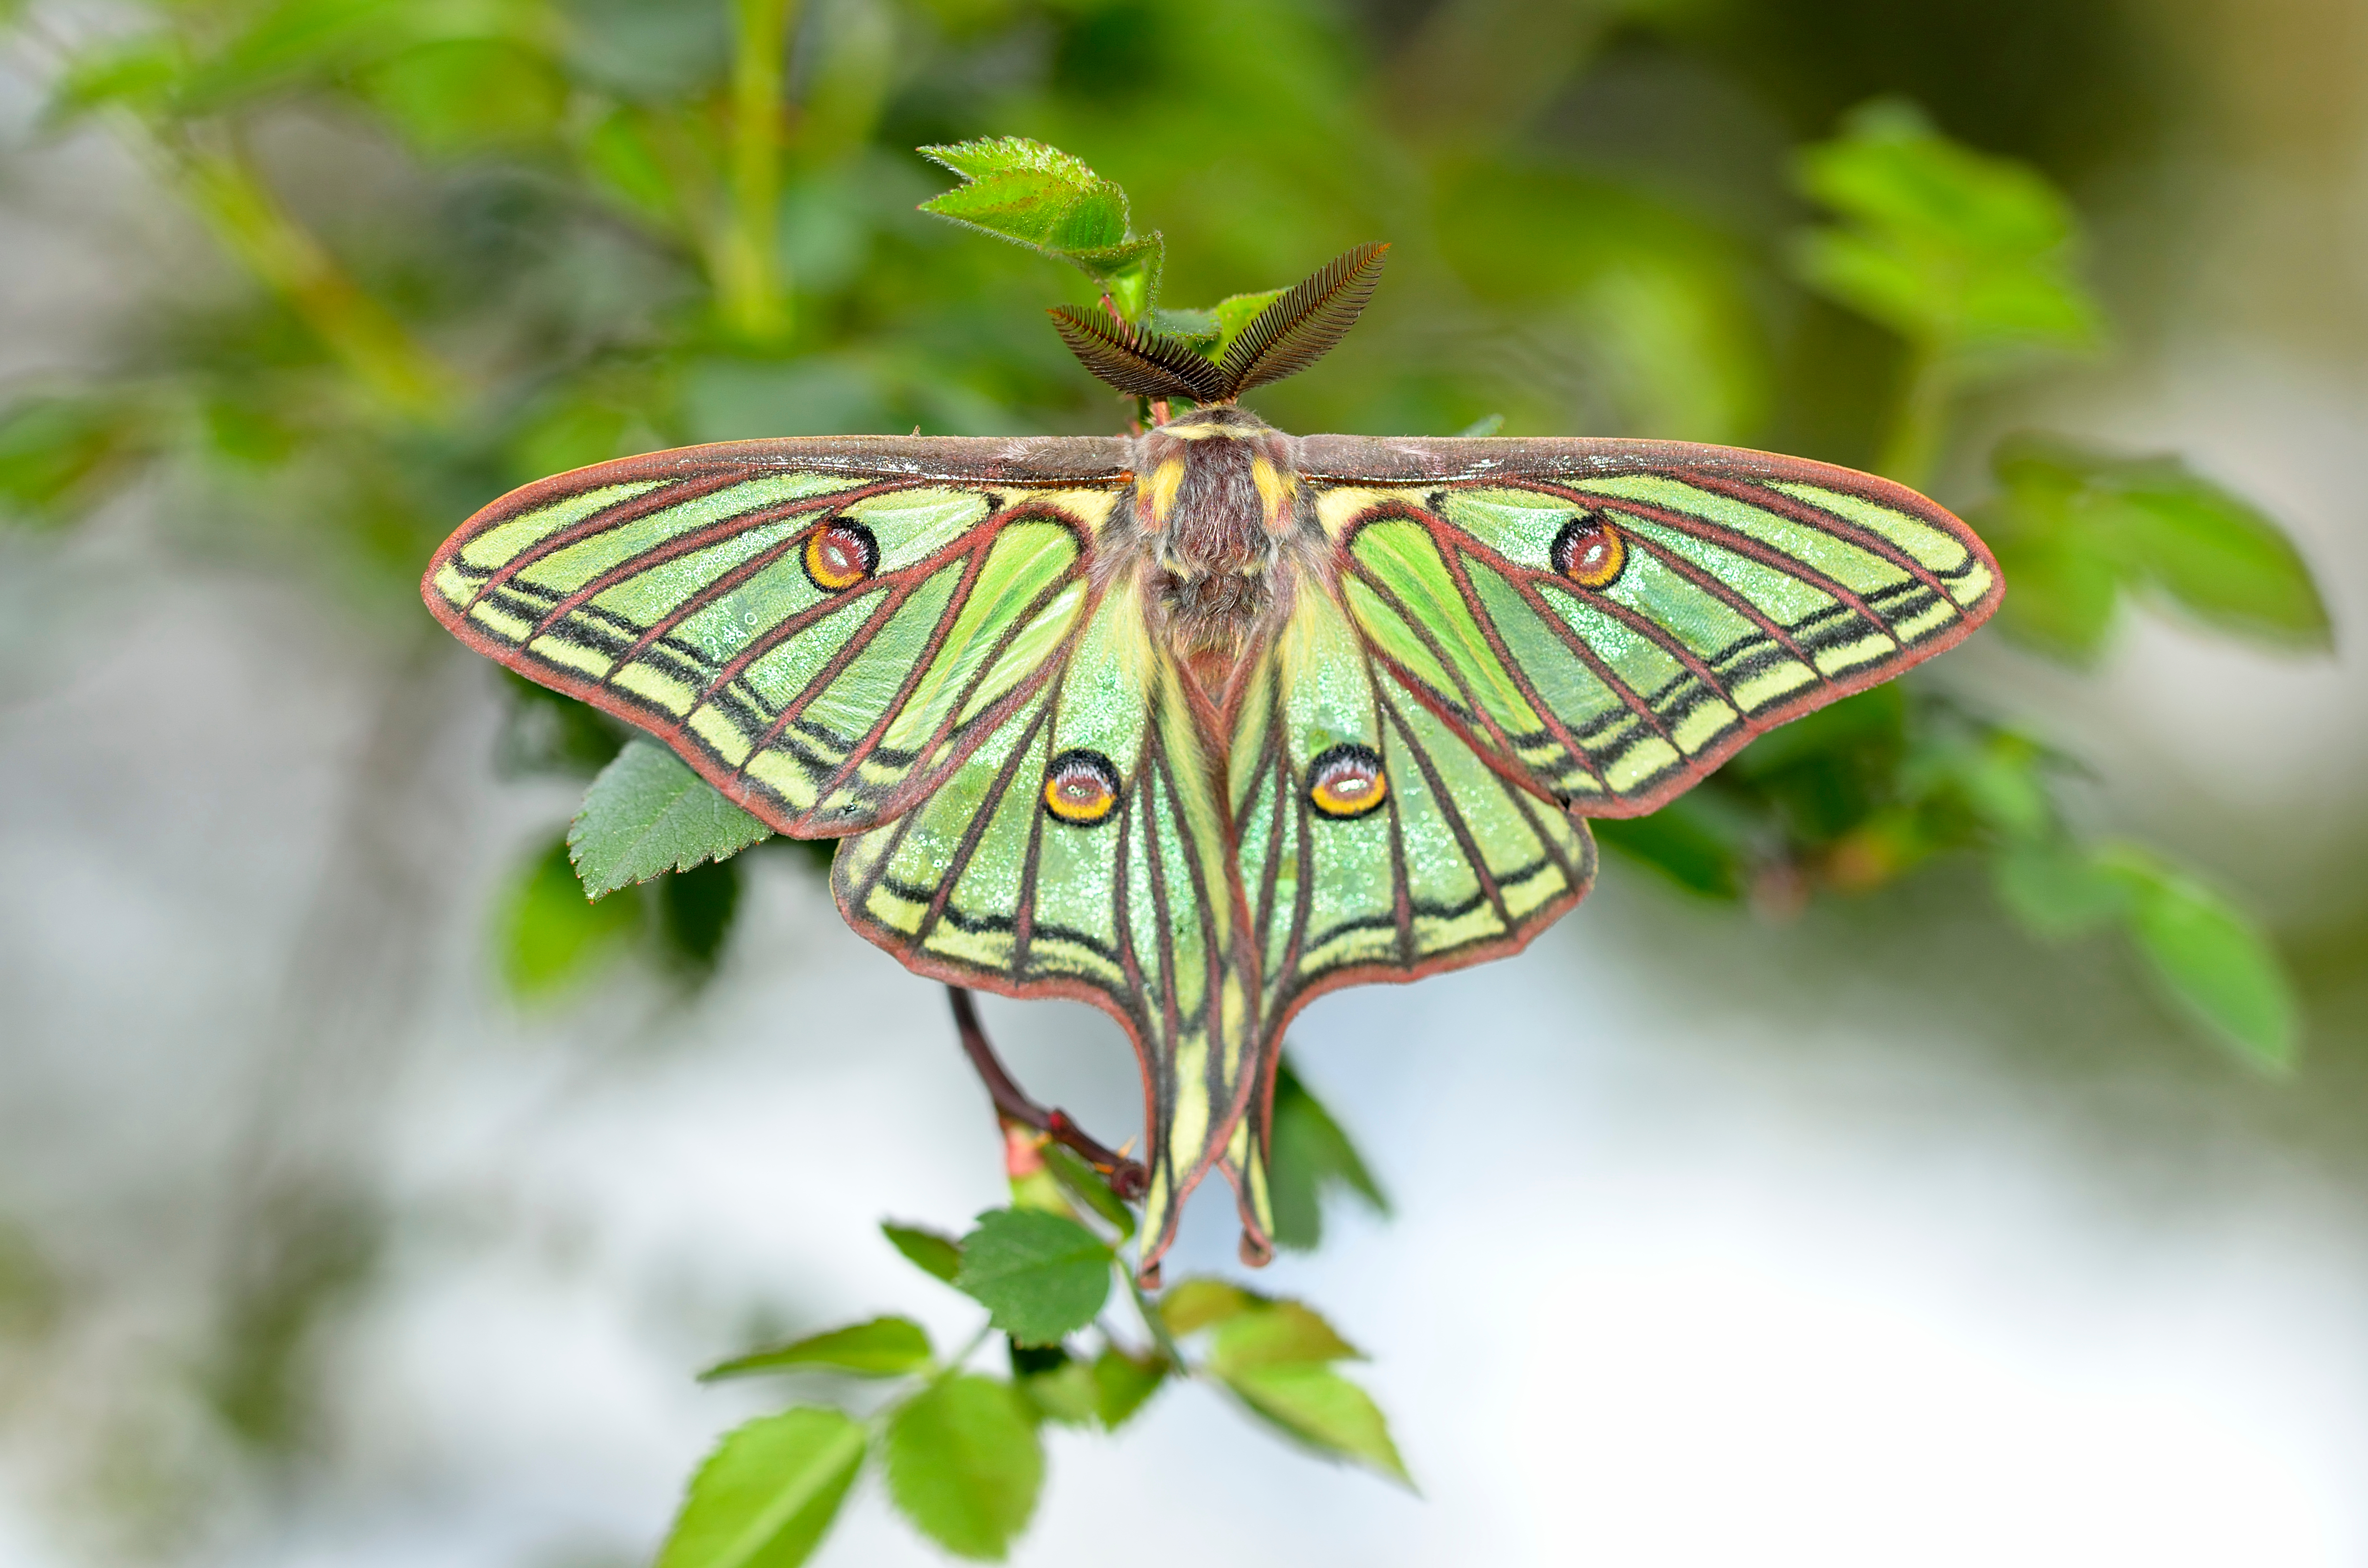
<point>1199,723</point>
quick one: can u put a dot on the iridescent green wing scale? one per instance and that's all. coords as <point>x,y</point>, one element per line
<point>1607,621</point>
<point>1081,852</point>
<point>823,628</point>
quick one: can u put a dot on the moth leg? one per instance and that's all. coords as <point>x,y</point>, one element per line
<point>1126,1177</point>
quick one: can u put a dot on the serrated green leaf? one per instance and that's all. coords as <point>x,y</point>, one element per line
<point>883,1347</point>
<point>648,812</point>
<point>1085,1184</point>
<point>964,1464</point>
<point>1277,1333</point>
<point>1310,1154</point>
<point>547,934</point>
<point>1124,1384</point>
<point>1323,1410</point>
<point>1040,1277</point>
<point>926,1250</point>
<point>1191,1305</point>
<point>1039,210</point>
<point>993,155</point>
<point>766,1495</point>
<point>1967,255</point>
<point>1042,197</point>
<point>2215,963</point>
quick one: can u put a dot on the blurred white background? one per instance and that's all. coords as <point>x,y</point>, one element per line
<point>1878,1237</point>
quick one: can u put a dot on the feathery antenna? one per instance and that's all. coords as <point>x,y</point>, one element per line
<point>1304,324</point>
<point>1298,328</point>
<point>1147,364</point>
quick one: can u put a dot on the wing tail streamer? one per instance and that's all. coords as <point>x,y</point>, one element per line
<point>1081,852</point>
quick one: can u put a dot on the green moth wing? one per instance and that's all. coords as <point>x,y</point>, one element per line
<point>1609,621</point>
<point>1082,851</point>
<point>1517,634</point>
<point>1375,841</point>
<point>901,644</point>
<point>824,628</point>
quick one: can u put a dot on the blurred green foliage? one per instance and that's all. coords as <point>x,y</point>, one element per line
<point>459,245</point>
<point>1311,1158</point>
<point>2076,529</point>
<point>547,935</point>
<point>1968,258</point>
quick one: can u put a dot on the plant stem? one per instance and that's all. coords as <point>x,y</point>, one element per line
<point>1914,442</point>
<point>249,221</point>
<point>1127,1178</point>
<point>752,294</point>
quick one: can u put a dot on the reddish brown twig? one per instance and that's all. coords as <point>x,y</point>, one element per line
<point>1127,1178</point>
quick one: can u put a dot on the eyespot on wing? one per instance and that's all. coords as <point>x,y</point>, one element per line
<point>1347,781</point>
<point>1590,553</point>
<point>841,553</point>
<point>1080,788</point>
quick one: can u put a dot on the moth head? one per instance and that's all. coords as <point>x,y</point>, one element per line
<point>1297,328</point>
